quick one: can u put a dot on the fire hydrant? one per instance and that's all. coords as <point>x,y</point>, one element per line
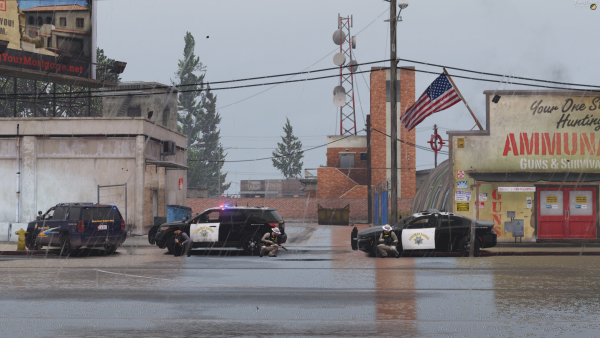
<point>21,240</point>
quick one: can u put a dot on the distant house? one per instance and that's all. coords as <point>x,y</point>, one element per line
<point>58,28</point>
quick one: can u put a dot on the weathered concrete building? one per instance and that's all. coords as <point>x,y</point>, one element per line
<point>127,161</point>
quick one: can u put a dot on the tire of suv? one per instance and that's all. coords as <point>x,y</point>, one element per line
<point>110,249</point>
<point>464,247</point>
<point>251,244</point>
<point>66,248</point>
<point>31,242</point>
<point>170,242</point>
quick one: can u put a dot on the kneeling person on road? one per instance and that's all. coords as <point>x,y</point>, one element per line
<point>387,242</point>
<point>270,243</point>
<point>181,243</point>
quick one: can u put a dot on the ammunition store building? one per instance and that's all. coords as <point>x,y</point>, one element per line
<point>538,160</point>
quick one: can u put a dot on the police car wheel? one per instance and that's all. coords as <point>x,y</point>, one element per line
<point>66,248</point>
<point>251,245</point>
<point>465,248</point>
<point>374,251</point>
<point>152,236</point>
<point>170,243</point>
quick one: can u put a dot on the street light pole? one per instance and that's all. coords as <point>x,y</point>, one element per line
<point>394,114</point>
<point>394,109</point>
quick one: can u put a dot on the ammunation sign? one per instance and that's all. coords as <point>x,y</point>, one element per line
<point>538,132</point>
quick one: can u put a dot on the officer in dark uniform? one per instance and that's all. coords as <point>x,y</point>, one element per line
<point>387,242</point>
<point>182,241</point>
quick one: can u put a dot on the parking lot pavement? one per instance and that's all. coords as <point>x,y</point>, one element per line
<point>319,287</point>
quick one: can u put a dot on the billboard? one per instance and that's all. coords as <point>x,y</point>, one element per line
<point>38,32</point>
<point>540,132</point>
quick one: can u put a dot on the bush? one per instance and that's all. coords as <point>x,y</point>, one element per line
<point>38,43</point>
<point>26,39</point>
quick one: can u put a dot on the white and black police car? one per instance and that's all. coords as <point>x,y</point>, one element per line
<point>430,231</point>
<point>225,227</point>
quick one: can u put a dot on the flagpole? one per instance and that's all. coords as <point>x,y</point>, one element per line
<point>463,99</point>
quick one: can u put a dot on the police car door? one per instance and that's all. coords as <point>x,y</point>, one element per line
<point>49,227</point>
<point>207,228</point>
<point>419,234</point>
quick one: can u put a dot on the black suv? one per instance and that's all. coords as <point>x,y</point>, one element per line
<point>237,227</point>
<point>71,226</point>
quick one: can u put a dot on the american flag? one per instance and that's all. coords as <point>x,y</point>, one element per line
<point>438,96</point>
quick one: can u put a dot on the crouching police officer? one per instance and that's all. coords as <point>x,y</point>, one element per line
<point>182,243</point>
<point>270,243</point>
<point>387,242</point>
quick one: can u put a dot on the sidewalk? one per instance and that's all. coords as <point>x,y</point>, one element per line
<point>137,241</point>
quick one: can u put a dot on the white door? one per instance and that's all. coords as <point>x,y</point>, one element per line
<point>204,232</point>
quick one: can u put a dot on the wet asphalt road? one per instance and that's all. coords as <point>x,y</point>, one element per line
<point>319,288</point>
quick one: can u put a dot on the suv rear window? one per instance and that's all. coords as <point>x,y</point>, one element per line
<point>100,214</point>
<point>267,216</point>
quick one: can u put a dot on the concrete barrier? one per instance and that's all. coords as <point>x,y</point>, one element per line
<point>4,227</point>
<point>13,228</point>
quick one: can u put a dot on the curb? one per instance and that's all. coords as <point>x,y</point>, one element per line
<point>24,252</point>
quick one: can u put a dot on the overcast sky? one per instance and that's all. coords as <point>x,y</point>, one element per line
<point>554,40</point>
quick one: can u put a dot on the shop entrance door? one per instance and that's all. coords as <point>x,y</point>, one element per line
<point>566,213</point>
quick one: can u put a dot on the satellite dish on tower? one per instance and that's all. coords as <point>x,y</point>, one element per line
<point>353,65</point>
<point>339,37</point>
<point>339,89</point>
<point>339,99</point>
<point>339,59</point>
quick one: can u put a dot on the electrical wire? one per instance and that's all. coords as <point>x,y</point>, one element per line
<point>278,156</point>
<point>412,144</point>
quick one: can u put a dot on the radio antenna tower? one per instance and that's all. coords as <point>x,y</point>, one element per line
<point>342,98</point>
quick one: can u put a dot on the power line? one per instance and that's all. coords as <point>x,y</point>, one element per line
<point>500,75</point>
<point>284,155</point>
<point>411,144</point>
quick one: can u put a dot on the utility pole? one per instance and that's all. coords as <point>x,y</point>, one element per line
<point>394,114</point>
<point>369,191</point>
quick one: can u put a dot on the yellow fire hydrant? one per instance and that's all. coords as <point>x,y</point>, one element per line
<point>21,240</point>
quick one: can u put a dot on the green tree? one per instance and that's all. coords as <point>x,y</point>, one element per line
<point>198,120</point>
<point>104,65</point>
<point>288,155</point>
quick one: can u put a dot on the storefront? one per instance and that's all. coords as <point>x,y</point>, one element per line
<point>537,161</point>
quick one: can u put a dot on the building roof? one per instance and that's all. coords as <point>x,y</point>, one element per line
<point>71,32</point>
<point>57,8</point>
